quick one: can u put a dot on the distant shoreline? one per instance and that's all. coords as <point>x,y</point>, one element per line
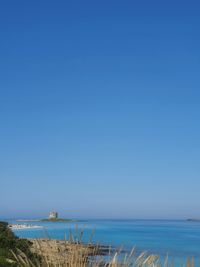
<point>24,226</point>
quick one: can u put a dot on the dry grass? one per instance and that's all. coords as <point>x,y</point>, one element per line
<point>73,253</point>
<point>64,253</point>
<point>54,255</point>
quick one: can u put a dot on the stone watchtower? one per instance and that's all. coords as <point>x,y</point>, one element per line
<point>53,215</point>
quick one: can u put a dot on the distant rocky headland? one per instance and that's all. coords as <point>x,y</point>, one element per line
<point>193,220</point>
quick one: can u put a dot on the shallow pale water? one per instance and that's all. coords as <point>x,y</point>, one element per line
<point>178,239</point>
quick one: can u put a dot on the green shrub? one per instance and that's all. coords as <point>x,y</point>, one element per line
<point>9,242</point>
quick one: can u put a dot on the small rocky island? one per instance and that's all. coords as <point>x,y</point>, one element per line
<point>53,217</point>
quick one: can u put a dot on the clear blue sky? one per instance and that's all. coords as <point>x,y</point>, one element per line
<point>100,108</point>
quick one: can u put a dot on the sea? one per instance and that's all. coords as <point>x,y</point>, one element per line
<point>177,239</point>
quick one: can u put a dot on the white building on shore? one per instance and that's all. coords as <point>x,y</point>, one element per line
<point>53,215</point>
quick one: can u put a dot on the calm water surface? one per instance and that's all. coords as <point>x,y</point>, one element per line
<point>178,239</point>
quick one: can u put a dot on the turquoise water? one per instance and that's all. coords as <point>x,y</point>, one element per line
<point>178,239</point>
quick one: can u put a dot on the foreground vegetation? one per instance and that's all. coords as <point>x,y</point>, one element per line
<point>18,252</point>
<point>10,245</point>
